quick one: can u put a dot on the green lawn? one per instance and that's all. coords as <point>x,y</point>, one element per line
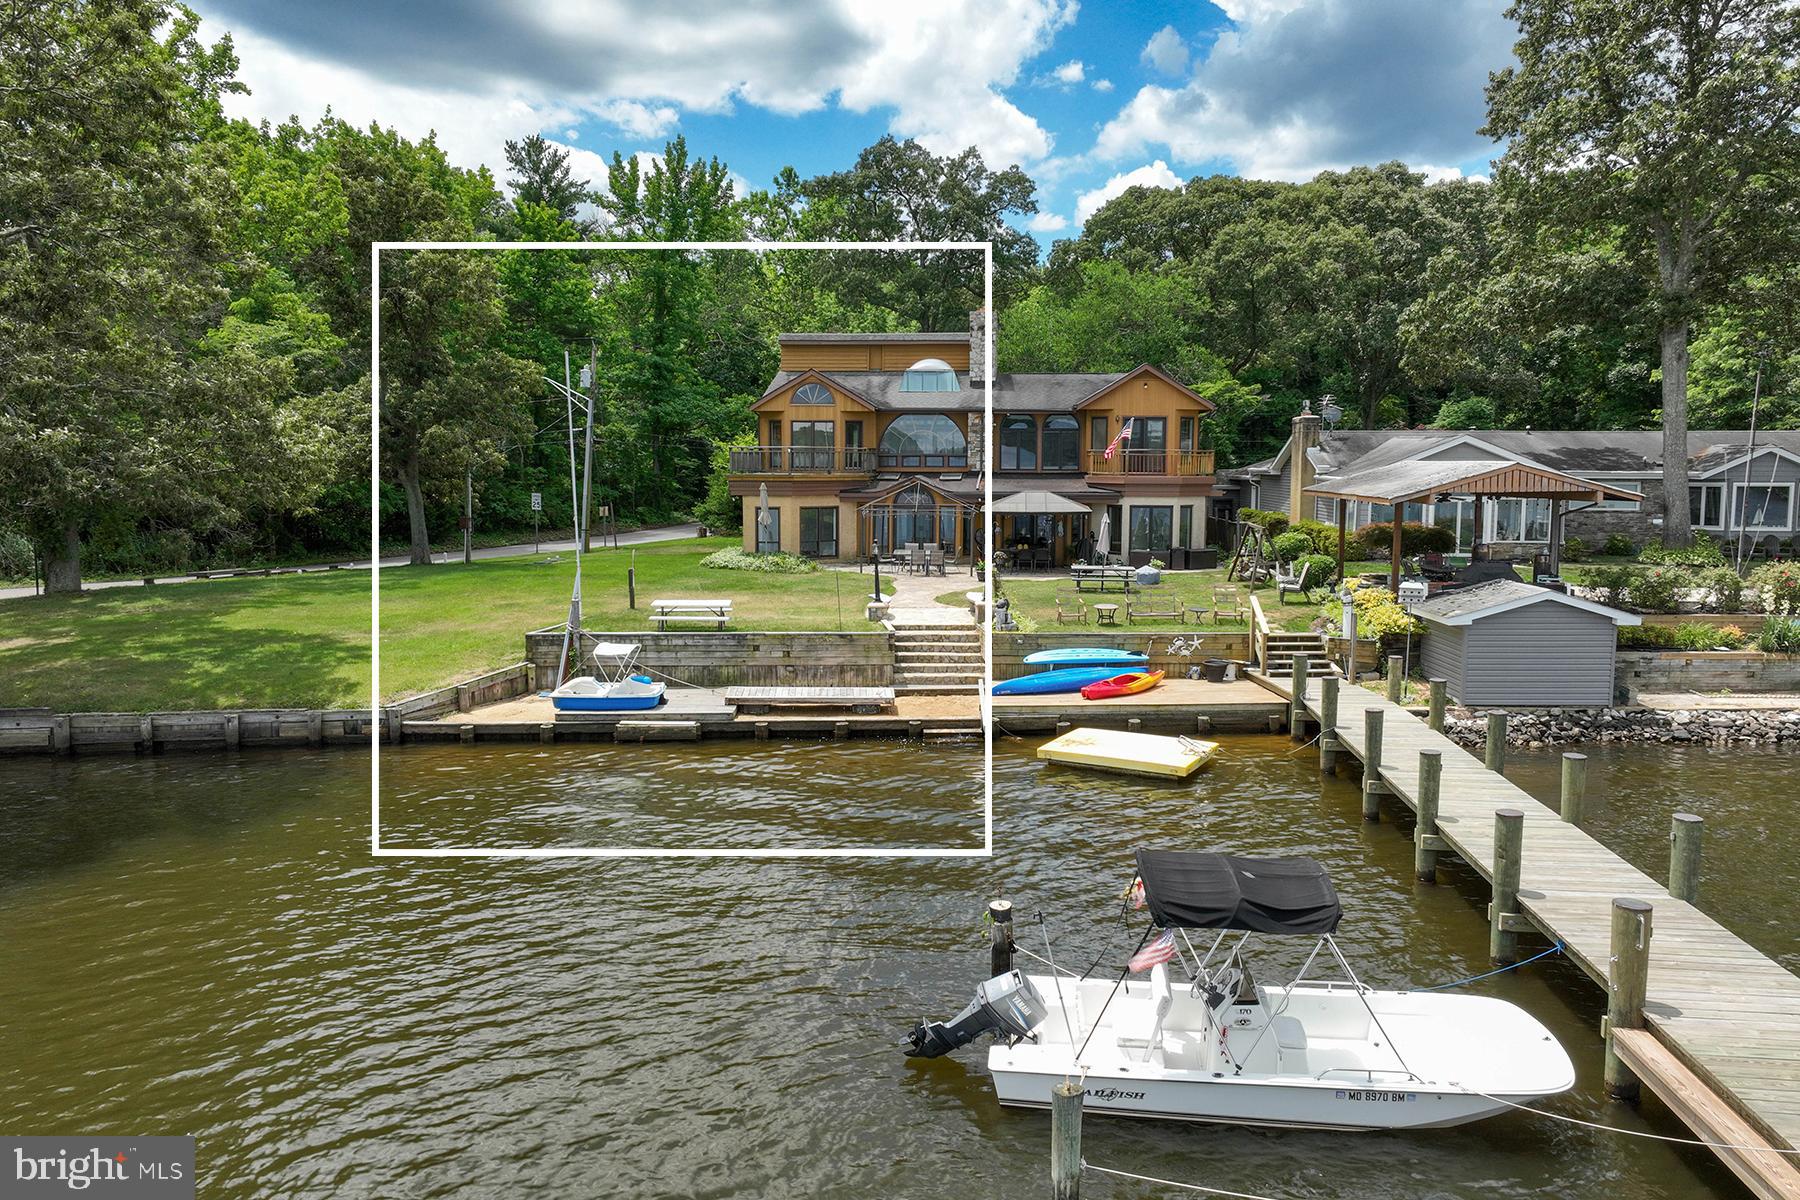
<point>1035,600</point>
<point>303,640</point>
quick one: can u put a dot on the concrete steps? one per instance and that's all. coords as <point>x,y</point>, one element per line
<point>944,658</point>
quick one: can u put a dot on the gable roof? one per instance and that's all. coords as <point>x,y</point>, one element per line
<point>1146,369</point>
<point>1419,478</point>
<point>1465,606</point>
<point>874,389</point>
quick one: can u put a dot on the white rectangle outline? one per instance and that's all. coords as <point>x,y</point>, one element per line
<point>377,850</point>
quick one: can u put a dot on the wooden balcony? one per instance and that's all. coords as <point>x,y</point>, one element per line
<point>801,460</point>
<point>1180,463</point>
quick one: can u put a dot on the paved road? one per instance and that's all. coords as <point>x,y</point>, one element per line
<point>637,537</point>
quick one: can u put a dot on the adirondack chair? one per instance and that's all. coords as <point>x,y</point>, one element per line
<point>1070,609</point>
<point>1288,582</point>
<point>1228,605</point>
<point>1154,604</point>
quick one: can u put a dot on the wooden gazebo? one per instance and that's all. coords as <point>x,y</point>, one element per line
<point>1421,481</point>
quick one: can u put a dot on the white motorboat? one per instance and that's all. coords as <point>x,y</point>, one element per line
<point>615,685</point>
<point>1223,1047</point>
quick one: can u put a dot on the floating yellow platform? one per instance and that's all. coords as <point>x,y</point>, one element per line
<point>1132,753</point>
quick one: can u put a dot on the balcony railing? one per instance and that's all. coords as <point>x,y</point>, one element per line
<point>800,460</point>
<point>1151,462</point>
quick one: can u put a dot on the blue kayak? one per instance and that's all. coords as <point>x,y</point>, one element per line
<point>1085,656</point>
<point>1070,679</point>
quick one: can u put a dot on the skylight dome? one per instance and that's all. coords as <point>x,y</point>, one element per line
<point>929,375</point>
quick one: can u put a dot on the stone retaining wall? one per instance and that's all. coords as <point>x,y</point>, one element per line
<point>1566,726</point>
<point>1705,671</point>
<point>727,659</point>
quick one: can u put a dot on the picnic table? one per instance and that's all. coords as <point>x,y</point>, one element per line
<point>714,612</point>
<point>864,700</point>
<point>1102,576</point>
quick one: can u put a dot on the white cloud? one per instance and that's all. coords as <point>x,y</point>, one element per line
<point>1103,85</point>
<point>1073,71</point>
<point>638,120</point>
<point>1046,222</point>
<point>571,134</point>
<point>1166,51</point>
<point>939,67</point>
<point>1301,86</point>
<point>1156,174</point>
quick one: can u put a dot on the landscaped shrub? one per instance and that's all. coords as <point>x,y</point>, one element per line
<point>1574,550</point>
<point>1698,635</point>
<point>1270,523</point>
<point>1656,589</point>
<point>1324,538</point>
<point>15,555</point>
<point>1377,540</point>
<point>1613,582</point>
<point>1777,585</point>
<point>1780,635</point>
<point>1705,552</point>
<point>1646,637</point>
<point>1724,588</point>
<point>1378,614</point>
<point>1617,545</point>
<point>1290,545</point>
<point>777,564</point>
<point>1321,569</point>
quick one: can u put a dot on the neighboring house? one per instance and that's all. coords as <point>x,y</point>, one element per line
<point>1730,485</point>
<point>877,439</point>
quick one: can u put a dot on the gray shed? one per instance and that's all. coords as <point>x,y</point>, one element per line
<point>1508,642</point>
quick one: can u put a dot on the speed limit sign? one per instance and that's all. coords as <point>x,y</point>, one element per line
<point>537,502</point>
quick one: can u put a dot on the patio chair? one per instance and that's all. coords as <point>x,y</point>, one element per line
<point>915,558</point>
<point>1294,584</point>
<point>1156,603</point>
<point>1070,609</point>
<point>1228,605</point>
<point>934,558</point>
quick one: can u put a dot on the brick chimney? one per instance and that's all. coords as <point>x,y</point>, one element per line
<point>1300,477</point>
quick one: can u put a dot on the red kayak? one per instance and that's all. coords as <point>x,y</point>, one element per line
<point>1122,685</point>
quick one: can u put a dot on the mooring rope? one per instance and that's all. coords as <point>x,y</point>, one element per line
<point>1556,949</point>
<point>1655,1137</point>
<point>1192,1187</point>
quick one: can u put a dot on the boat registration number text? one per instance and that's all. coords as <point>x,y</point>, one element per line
<point>1377,1097</point>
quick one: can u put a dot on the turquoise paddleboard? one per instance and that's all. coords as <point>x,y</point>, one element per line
<point>1084,656</point>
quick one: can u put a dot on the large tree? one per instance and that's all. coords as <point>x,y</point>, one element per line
<point>541,176</point>
<point>1672,121</point>
<point>114,258</point>
<point>448,396</point>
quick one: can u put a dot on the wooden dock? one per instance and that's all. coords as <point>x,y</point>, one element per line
<point>1176,705</point>
<point>1721,1044</point>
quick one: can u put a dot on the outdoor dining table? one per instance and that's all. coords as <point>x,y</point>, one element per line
<point>1102,576</point>
<point>708,611</point>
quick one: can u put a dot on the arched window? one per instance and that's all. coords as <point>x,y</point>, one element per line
<point>1062,443</point>
<point>813,393</point>
<point>929,375</point>
<point>924,440</point>
<point>1018,442</point>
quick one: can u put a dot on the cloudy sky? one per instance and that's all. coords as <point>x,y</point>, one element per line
<point>1089,99</point>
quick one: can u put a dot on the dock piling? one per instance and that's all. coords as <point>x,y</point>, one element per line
<point>1134,724</point>
<point>1685,830</point>
<point>1000,934</point>
<point>547,733</point>
<point>1503,919</point>
<point>233,731</point>
<point>1328,742</point>
<point>1627,981</point>
<point>1302,665</point>
<point>840,730</point>
<point>762,731</point>
<point>61,740</point>
<point>1426,842</point>
<point>315,728</point>
<point>1494,753</point>
<point>1574,786</point>
<point>1065,1140</point>
<point>1371,780</point>
<point>1439,692</point>
<point>1396,678</point>
<point>465,734</point>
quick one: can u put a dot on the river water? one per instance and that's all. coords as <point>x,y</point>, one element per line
<point>202,944</point>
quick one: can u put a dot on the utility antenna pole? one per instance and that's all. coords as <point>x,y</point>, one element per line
<point>587,465</point>
<point>468,514</point>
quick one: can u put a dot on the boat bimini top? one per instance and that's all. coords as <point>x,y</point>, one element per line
<point>1186,889</point>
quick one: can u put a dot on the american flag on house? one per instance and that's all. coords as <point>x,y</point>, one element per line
<point>1124,436</point>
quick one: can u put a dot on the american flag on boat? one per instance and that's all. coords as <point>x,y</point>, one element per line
<point>1124,436</point>
<point>1159,951</point>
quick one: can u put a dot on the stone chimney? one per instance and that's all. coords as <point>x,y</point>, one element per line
<point>1300,477</point>
<point>977,344</point>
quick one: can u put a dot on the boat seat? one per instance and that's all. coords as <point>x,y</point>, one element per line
<point>1140,1026</point>
<point>1290,1044</point>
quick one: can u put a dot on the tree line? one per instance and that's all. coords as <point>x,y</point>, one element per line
<point>186,299</point>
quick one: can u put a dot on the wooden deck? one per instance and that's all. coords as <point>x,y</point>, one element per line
<point>533,718</point>
<point>1726,1015</point>
<point>1187,705</point>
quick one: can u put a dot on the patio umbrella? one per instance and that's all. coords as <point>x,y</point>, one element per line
<point>1104,538</point>
<point>1037,502</point>
<point>762,513</point>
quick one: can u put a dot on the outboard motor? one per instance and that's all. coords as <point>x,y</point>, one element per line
<point>1005,1006</point>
